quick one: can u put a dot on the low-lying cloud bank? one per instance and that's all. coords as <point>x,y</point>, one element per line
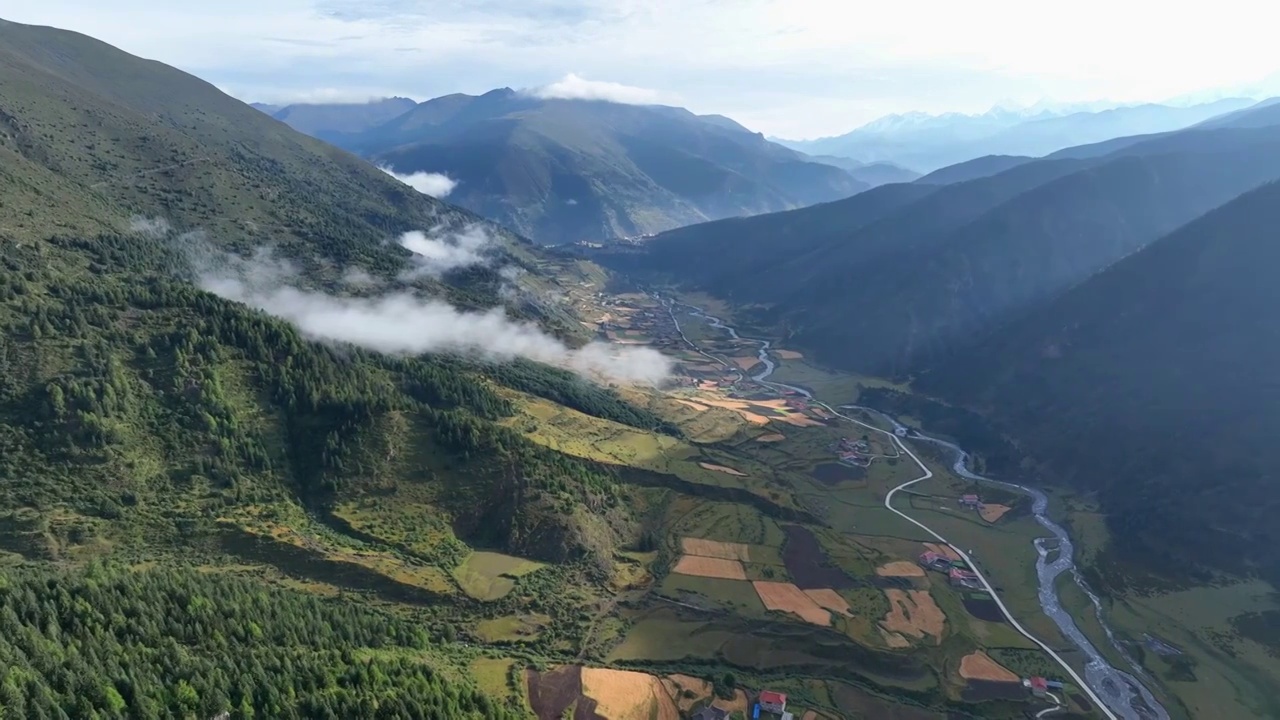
<point>438,252</point>
<point>402,323</point>
<point>574,87</point>
<point>437,185</point>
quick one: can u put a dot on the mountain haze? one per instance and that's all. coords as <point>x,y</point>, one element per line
<point>942,265</point>
<point>932,142</point>
<point>1172,349</point>
<point>332,120</point>
<point>570,170</point>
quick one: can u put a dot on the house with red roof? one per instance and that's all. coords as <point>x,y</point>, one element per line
<point>1038,685</point>
<point>774,702</point>
<point>964,578</point>
<point>971,501</point>
<point>935,561</point>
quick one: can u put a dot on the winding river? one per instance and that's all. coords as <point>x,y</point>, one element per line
<point>1122,692</point>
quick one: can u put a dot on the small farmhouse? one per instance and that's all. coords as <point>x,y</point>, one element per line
<point>774,702</point>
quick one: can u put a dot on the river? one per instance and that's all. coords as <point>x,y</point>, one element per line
<point>1123,692</point>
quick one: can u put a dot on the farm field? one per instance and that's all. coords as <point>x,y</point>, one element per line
<point>490,575</point>
<point>806,568</point>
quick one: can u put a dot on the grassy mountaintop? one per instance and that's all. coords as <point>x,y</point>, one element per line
<point>325,120</point>
<point>1153,383</point>
<point>569,170</point>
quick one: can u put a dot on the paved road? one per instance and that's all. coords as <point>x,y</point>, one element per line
<point>1116,684</point>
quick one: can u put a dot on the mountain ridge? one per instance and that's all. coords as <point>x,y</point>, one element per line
<point>563,171</point>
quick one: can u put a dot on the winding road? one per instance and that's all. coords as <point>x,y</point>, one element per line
<point>1126,696</point>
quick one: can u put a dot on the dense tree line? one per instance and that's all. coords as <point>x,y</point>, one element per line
<point>565,388</point>
<point>243,402</point>
<point>116,643</point>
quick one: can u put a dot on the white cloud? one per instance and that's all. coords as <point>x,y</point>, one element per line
<point>573,87</point>
<point>151,227</point>
<point>794,68</point>
<point>438,252</point>
<point>403,324</point>
<point>437,185</point>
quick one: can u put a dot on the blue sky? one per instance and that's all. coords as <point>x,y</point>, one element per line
<point>792,68</point>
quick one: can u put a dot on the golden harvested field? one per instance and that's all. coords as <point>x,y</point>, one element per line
<point>716,549</point>
<point>914,613</point>
<point>710,567</point>
<point>831,600</point>
<point>786,597</point>
<point>771,437</point>
<point>696,406</point>
<point>737,406</point>
<point>992,513</point>
<point>721,468</point>
<point>626,695</point>
<point>676,685</point>
<point>747,362</point>
<point>894,640</point>
<point>943,550</point>
<point>980,666</point>
<point>800,420</point>
<point>737,704</point>
<point>900,568</point>
<point>788,354</point>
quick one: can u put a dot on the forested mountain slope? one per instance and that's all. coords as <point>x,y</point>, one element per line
<point>148,422</point>
<point>568,170</point>
<point>1154,383</point>
<point>892,294</point>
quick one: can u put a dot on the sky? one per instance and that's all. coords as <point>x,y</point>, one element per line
<point>789,68</point>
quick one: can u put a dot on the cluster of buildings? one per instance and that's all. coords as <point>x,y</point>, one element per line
<point>854,452</point>
<point>957,571</point>
<point>768,702</point>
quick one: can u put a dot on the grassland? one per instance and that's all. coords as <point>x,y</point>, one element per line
<point>490,575</point>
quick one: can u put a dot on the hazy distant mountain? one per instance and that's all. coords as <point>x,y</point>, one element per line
<point>929,142</point>
<point>874,174</point>
<point>941,265</point>
<point>330,120</point>
<point>973,169</point>
<point>569,170</point>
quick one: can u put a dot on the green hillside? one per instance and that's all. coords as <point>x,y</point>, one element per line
<point>208,461</point>
<point>1153,384</point>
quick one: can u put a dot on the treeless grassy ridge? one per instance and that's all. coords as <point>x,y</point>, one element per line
<point>786,597</point>
<point>710,567</point>
<point>979,666</point>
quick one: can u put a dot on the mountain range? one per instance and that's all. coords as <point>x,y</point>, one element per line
<point>562,171</point>
<point>928,142</point>
<point>972,287</point>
